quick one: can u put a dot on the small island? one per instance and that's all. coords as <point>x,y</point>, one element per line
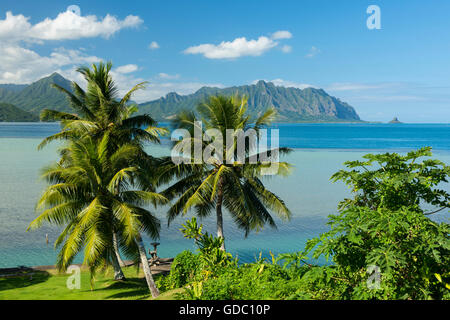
<point>395,120</point>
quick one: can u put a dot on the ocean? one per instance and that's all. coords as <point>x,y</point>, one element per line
<point>319,151</point>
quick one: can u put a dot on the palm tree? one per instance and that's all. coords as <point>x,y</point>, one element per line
<point>91,193</point>
<point>98,111</point>
<point>217,183</point>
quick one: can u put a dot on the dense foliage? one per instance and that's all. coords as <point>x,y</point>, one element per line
<point>384,235</point>
<point>382,243</point>
<point>38,95</point>
<point>103,180</point>
<point>10,113</point>
<point>226,177</point>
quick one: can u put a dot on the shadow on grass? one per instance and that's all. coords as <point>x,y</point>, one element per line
<point>135,288</point>
<point>24,280</point>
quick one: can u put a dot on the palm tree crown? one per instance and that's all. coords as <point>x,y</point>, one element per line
<point>91,189</point>
<point>216,183</point>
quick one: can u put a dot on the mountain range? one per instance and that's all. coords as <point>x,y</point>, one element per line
<point>292,104</point>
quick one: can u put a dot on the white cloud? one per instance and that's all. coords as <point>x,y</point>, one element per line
<point>312,52</point>
<point>239,47</point>
<point>283,34</point>
<point>288,84</point>
<point>22,65</point>
<point>128,68</point>
<point>352,86</point>
<point>156,89</point>
<point>153,45</point>
<point>286,49</point>
<point>66,26</point>
<point>163,75</point>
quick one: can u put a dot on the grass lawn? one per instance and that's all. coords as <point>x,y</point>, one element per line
<point>49,285</point>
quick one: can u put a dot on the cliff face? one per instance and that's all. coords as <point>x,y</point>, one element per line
<point>292,104</point>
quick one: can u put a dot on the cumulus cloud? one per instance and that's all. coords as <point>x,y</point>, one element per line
<point>127,68</point>
<point>153,45</point>
<point>20,64</point>
<point>66,26</point>
<point>163,75</point>
<point>157,87</point>
<point>283,34</point>
<point>239,47</point>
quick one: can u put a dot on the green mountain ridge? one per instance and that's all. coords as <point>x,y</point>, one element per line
<point>10,113</point>
<point>38,95</point>
<point>292,104</point>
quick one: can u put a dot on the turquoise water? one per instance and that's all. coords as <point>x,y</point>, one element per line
<point>308,192</point>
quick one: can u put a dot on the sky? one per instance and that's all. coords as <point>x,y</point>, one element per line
<point>400,69</point>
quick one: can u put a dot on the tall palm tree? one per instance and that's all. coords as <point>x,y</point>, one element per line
<point>91,193</point>
<point>99,111</point>
<point>217,183</point>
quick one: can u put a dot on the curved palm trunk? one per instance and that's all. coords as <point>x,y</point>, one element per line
<point>146,267</point>
<point>118,273</point>
<point>219,213</point>
<point>116,250</point>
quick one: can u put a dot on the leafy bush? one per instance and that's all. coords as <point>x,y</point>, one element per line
<point>384,229</point>
<point>407,247</point>
<point>382,243</point>
<point>185,268</point>
<point>393,181</point>
<point>258,280</point>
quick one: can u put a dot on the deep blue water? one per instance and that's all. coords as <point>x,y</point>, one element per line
<point>320,151</point>
<point>309,136</point>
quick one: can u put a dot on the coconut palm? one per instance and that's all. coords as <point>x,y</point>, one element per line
<point>99,111</point>
<point>91,193</point>
<point>216,183</point>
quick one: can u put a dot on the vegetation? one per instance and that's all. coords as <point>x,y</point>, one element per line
<point>385,227</point>
<point>103,178</point>
<point>10,113</point>
<point>38,95</point>
<point>51,285</point>
<point>224,179</point>
<point>381,244</point>
<point>292,104</point>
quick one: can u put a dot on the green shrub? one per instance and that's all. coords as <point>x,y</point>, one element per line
<point>382,242</point>
<point>185,268</point>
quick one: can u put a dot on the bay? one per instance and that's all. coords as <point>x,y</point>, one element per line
<point>320,150</point>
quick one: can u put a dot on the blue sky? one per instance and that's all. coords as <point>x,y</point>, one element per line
<point>400,70</point>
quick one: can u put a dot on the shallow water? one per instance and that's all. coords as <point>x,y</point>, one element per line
<point>308,192</point>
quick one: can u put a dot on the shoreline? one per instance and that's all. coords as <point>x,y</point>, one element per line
<point>163,266</point>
